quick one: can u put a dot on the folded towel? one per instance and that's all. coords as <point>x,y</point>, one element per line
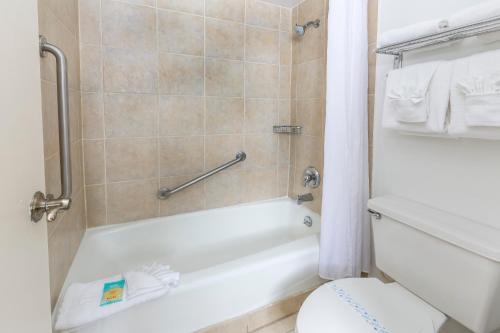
<point>417,98</point>
<point>473,14</point>
<point>475,97</point>
<point>411,32</point>
<point>82,302</point>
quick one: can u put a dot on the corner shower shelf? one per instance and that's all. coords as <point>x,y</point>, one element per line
<point>450,35</point>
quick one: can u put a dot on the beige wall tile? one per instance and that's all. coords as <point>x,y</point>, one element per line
<point>275,312</point>
<point>286,19</point>
<point>283,150</point>
<point>224,39</point>
<point>305,156</point>
<point>49,119</point>
<point>310,116</point>
<point>132,201</point>
<point>260,115</point>
<point>90,21</point>
<point>130,71</point>
<point>283,181</point>
<point>372,20</point>
<point>181,75</point>
<point>312,78</point>
<point>284,111</point>
<point>262,14</point>
<point>220,149</point>
<point>128,26</point>
<point>285,48</point>
<point>77,165</point>
<point>189,200</point>
<point>262,151</point>
<point>91,74</point>
<point>224,189</point>
<point>52,175</point>
<point>181,115</point>
<point>130,115</point>
<point>92,116</point>
<point>131,159</point>
<point>180,33</point>
<point>262,81</point>
<point>93,151</point>
<point>181,155</point>
<point>262,45</point>
<point>285,80</point>
<point>255,189</point>
<point>224,78</point>
<point>75,115</point>
<point>310,10</point>
<point>188,6</point>
<point>233,10</point>
<point>96,205</point>
<point>224,115</point>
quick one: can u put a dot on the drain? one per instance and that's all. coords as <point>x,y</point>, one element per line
<point>308,221</point>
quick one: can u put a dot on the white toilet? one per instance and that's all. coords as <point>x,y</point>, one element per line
<point>443,264</point>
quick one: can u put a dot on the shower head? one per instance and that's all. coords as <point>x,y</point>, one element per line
<point>301,29</point>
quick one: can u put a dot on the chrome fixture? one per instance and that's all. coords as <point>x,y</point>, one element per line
<point>301,198</point>
<point>450,35</point>
<point>41,203</point>
<point>375,214</point>
<point>287,129</point>
<point>308,221</point>
<point>312,178</point>
<point>301,29</point>
<point>164,193</point>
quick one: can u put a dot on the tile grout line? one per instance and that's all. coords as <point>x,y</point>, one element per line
<point>158,143</point>
<point>101,51</point>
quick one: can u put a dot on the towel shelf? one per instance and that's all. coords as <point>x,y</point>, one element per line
<point>466,31</point>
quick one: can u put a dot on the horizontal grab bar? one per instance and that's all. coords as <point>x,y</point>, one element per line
<point>164,193</point>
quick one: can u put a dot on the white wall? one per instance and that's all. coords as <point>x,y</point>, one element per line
<point>459,176</point>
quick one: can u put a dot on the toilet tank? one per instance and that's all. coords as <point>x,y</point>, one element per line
<point>451,262</point>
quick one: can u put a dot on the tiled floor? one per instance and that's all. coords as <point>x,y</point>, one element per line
<point>279,317</point>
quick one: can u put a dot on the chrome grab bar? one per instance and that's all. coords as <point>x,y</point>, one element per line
<point>164,193</point>
<point>40,203</point>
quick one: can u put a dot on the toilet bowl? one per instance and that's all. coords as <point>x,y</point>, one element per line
<point>441,262</point>
<point>366,305</point>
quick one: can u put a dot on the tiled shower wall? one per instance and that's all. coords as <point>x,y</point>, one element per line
<point>174,88</point>
<point>308,97</point>
<point>58,21</point>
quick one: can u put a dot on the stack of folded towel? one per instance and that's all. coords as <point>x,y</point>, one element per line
<point>460,99</point>
<point>83,302</point>
<point>470,15</point>
<point>417,98</point>
<point>475,97</point>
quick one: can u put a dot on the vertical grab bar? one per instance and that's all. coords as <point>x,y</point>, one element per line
<point>41,204</point>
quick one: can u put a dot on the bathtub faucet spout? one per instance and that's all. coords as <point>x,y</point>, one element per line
<point>304,198</point>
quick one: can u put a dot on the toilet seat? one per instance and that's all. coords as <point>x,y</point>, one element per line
<point>366,305</point>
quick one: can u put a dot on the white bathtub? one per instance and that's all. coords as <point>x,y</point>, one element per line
<point>232,260</point>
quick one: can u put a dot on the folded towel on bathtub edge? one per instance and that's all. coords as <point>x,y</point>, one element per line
<point>84,303</point>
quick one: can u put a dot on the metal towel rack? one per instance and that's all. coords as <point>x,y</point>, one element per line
<point>40,203</point>
<point>164,193</point>
<point>450,35</point>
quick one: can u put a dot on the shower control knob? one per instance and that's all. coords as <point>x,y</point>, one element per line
<point>312,178</point>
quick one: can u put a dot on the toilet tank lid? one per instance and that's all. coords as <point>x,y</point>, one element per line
<point>468,234</point>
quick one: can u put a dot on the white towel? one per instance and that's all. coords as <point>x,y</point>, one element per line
<point>473,14</point>
<point>417,98</point>
<point>475,97</point>
<point>81,302</point>
<point>411,32</point>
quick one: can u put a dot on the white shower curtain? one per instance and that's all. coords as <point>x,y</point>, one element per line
<point>345,227</point>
